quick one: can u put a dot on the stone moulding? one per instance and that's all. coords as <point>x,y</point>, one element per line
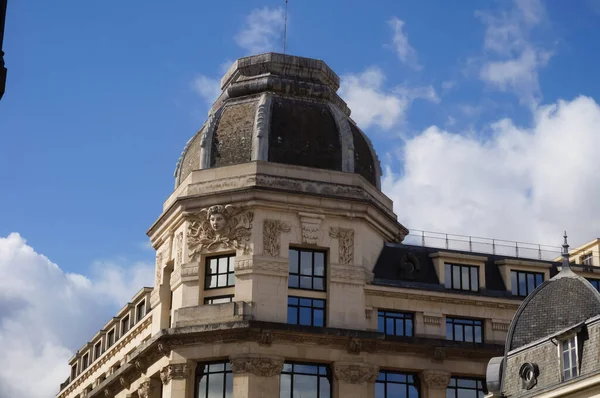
<point>436,378</point>
<point>263,366</point>
<point>355,373</point>
<point>432,319</point>
<point>272,230</point>
<point>219,228</point>
<point>345,237</point>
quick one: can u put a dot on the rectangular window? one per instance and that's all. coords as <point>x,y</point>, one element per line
<point>587,259</point>
<point>569,358</point>
<point>396,385</point>
<point>461,277</point>
<point>140,311</point>
<point>220,272</point>
<point>85,361</point>
<point>97,350</point>
<point>214,380</point>
<point>462,387</point>
<point>307,269</point>
<point>305,380</point>
<point>395,323</point>
<point>595,283</point>
<point>73,372</point>
<point>468,330</point>
<point>110,338</point>
<point>218,299</point>
<point>124,325</point>
<point>523,283</point>
<point>306,311</point>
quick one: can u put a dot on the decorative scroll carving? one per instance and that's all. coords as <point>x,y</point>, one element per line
<point>311,228</point>
<point>219,227</point>
<point>345,237</point>
<point>260,366</point>
<point>436,378</point>
<point>175,371</point>
<point>355,373</point>
<point>159,258</point>
<point>272,230</point>
<point>179,249</point>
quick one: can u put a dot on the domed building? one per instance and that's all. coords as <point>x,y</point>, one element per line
<point>552,343</point>
<point>283,271</point>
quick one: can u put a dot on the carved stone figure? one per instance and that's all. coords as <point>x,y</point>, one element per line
<point>355,373</point>
<point>260,366</point>
<point>219,227</point>
<point>272,230</point>
<point>345,237</point>
<point>174,371</point>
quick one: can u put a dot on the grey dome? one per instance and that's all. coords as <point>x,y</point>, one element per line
<point>282,109</point>
<point>555,305</point>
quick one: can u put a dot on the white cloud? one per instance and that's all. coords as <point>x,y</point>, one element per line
<point>373,105</point>
<point>47,314</point>
<point>405,52</point>
<point>518,184</point>
<point>207,88</point>
<point>263,27</point>
<point>512,61</point>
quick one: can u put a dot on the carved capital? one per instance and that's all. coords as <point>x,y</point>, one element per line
<point>263,366</point>
<point>355,373</point>
<point>345,237</point>
<point>436,378</point>
<point>272,230</point>
<point>176,371</point>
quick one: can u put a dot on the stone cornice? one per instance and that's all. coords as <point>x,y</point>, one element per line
<point>422,295</point>
<point>278,333</point>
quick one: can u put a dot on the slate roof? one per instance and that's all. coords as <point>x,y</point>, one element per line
<point>389,271</point>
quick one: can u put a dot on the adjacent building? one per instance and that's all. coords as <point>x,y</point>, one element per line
<point>283,271</point>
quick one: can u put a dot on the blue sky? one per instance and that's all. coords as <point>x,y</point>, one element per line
<point>484,114</point>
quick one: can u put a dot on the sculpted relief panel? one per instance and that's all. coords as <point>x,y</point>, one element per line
<point>219,227</point>
<point>272,230</point>
<point>345,237</point>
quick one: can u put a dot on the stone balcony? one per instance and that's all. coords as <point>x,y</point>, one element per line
<point>213,313</point>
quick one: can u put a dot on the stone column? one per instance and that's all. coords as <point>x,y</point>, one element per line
<point>355,380</point>
<point>149,388</point>
<point>256,376</point>
<point>177,380</point>
<point>435,383</point>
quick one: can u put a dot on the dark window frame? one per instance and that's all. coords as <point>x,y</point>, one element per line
<point>126,320</point>
<point>454,386</point>
<point>299,275</point>
<point>516,290</point>
<point>142,305</point>
<point>85,361</point>
<point>109,341</point>
<point>322,372</point>
<point>203,370</point>
<point>73,372</point>
<point>411,380</point>
<point>97,350</point>
<point>230,273</point>
<point>403,317</point>
<point>207,300</point>
<point>570,346</point>
<point>449,279</point>
<point>465,322</point>
<point>312,307</point>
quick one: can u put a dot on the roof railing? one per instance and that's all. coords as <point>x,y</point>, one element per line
<point>476,244</point>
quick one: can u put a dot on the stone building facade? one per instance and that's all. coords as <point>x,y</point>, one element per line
<point>281,272</point>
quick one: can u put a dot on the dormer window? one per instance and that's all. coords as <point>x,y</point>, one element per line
<point>97,350</point>
<point>110,338</point>
<point>73,372</point>
<point>522,282</point>
<point>569,358</point>
<point>85,361</point>
<point>461,277</point>
<point>140,310</point>
<point>125,325</point>
<point>586,259</point>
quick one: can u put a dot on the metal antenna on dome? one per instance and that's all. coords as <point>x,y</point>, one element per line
<point>285,27</point>
<point>565,254</point>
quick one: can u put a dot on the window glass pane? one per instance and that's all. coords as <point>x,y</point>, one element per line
<point>306,263</point>
<point>222,280</point>
<point>305,386</point>
<point>522,284</point>
<point>513,283</point>
<point>478,335</point>
<point>305,282</point>
<point>381,324</point>
<point>319,303</point>
<point>285,386</point>
<point>458,333</point>
<point>318,284</point>
<point>319,318</point>
<point>212,269</point>
<point>230,280</point>
<point>413,392</point>
<point>223,266</point>
<point>455,277</point>
<point>465,278</point>
<point>448,275</point>
<point>319,263</point>
<point>305,316</point>
<point>293,261</point>
<point>380,390</point>
<point>469,334</point>
<point>324,388</point>
<point>292,315</point>
<point>474,279</point>
<point>539,279</point>
<point>202,387</point>
<point>409,327</point>
<point>293,281</point>
<point>449,329</point>
<point>530,283</point>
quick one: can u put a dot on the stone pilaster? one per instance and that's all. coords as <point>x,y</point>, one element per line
<point>354,379</point>
<point>435,383</point>
<point>177,380</point>
<point>256,376</point>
